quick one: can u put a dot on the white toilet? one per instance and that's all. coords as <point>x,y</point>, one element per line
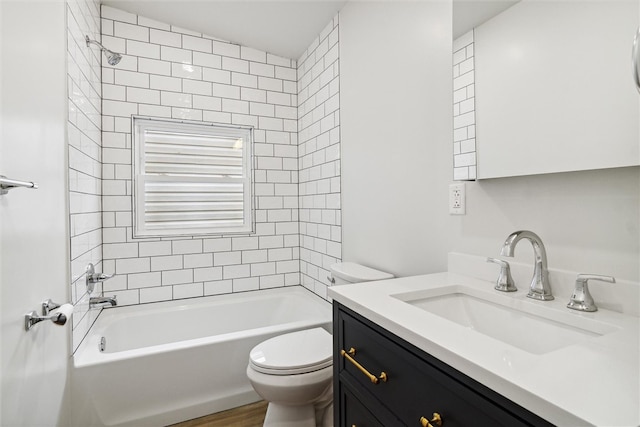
<point>293,372</point>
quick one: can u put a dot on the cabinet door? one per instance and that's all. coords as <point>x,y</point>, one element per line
<point>354,413</point>
<point>553,88</point>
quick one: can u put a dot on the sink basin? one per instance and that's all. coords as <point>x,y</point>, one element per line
<point>522,324</point>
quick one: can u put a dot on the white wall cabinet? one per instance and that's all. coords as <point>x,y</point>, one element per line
<point>554,90</point>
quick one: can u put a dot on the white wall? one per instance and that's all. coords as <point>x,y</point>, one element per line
<point>34,239</point>
<point>396,103</point>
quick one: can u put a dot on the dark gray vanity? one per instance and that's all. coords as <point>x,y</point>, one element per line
<point>405,385</point>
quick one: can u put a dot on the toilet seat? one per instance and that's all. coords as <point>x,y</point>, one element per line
<point>355,273</point>
<point>293,353</point>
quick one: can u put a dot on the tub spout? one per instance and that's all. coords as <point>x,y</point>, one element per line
<point>101,302</point>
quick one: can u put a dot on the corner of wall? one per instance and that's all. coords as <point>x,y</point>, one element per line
<point>319,158</point>
<point>464,119</point>
<point>84,137</point>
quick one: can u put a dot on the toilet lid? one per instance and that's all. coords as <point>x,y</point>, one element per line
<point>354,273</point>
<point>293,353</point>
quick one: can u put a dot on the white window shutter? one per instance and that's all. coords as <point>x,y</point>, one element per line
<point>191,179</point>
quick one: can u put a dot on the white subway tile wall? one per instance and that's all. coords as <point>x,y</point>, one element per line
<point>464,119</point>
<point>180,74</point>
<point>319,158</point>
<point>84,127</point>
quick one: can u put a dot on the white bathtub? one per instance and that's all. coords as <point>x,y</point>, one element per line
<point>173,361</point>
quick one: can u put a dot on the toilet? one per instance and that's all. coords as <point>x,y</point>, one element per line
<point>294,372</point>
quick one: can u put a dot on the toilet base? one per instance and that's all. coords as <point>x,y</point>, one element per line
<point>318,414</point>
<point>327,417</point>
<point>290,416</point>
<point>298,400</point>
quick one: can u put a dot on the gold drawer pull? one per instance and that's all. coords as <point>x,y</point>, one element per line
<point>437,420</point>
<point>348,355</point>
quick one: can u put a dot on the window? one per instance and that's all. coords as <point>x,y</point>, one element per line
<point>191,178</point>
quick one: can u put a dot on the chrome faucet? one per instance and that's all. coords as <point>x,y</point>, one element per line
<point>539,288</point>
<point>101,302</point>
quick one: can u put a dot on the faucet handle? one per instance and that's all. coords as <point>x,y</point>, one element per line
<point>505,281</point>
<point>92,277</point>
<point>101,277</point>
<point>581,298</point>
<point>587,277</point>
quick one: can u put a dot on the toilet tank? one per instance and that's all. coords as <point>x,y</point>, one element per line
<point>350,272</point>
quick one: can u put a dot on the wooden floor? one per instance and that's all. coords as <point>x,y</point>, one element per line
<point>245,416</point>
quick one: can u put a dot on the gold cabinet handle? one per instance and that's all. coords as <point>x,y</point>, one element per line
<point>349,356</point>
<point>437,420</point>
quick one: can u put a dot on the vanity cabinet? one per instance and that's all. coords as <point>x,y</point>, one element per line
<point>411,384</point>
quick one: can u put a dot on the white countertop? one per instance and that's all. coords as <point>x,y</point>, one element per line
<point>594,382</point>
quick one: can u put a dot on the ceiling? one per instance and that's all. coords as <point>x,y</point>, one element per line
<point>468,14</point>
<point>281,27</point>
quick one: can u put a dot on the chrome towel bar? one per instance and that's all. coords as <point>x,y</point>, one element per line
<point>7,184</point>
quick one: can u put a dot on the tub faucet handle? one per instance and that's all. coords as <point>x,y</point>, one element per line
<point>100,277</point>
<point>504,283</point>
<point>93,277</point>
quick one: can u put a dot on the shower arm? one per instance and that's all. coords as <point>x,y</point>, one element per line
<point>97,43</point>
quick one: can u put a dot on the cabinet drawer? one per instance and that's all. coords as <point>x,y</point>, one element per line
<point>415,387</point>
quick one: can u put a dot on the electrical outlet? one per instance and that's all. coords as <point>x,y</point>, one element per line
<point>457,204</point>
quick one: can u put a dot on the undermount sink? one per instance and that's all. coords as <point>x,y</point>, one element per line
<point>522,324</point>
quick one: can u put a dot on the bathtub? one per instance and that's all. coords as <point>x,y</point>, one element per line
<point>172,361</point>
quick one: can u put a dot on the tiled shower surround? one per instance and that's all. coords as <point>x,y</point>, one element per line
<point>319,163</point>
<point>85,151</point>
<point>464,120</point>
<point>170,72</point>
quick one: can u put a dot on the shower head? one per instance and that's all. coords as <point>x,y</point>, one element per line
<point>112,57</point>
